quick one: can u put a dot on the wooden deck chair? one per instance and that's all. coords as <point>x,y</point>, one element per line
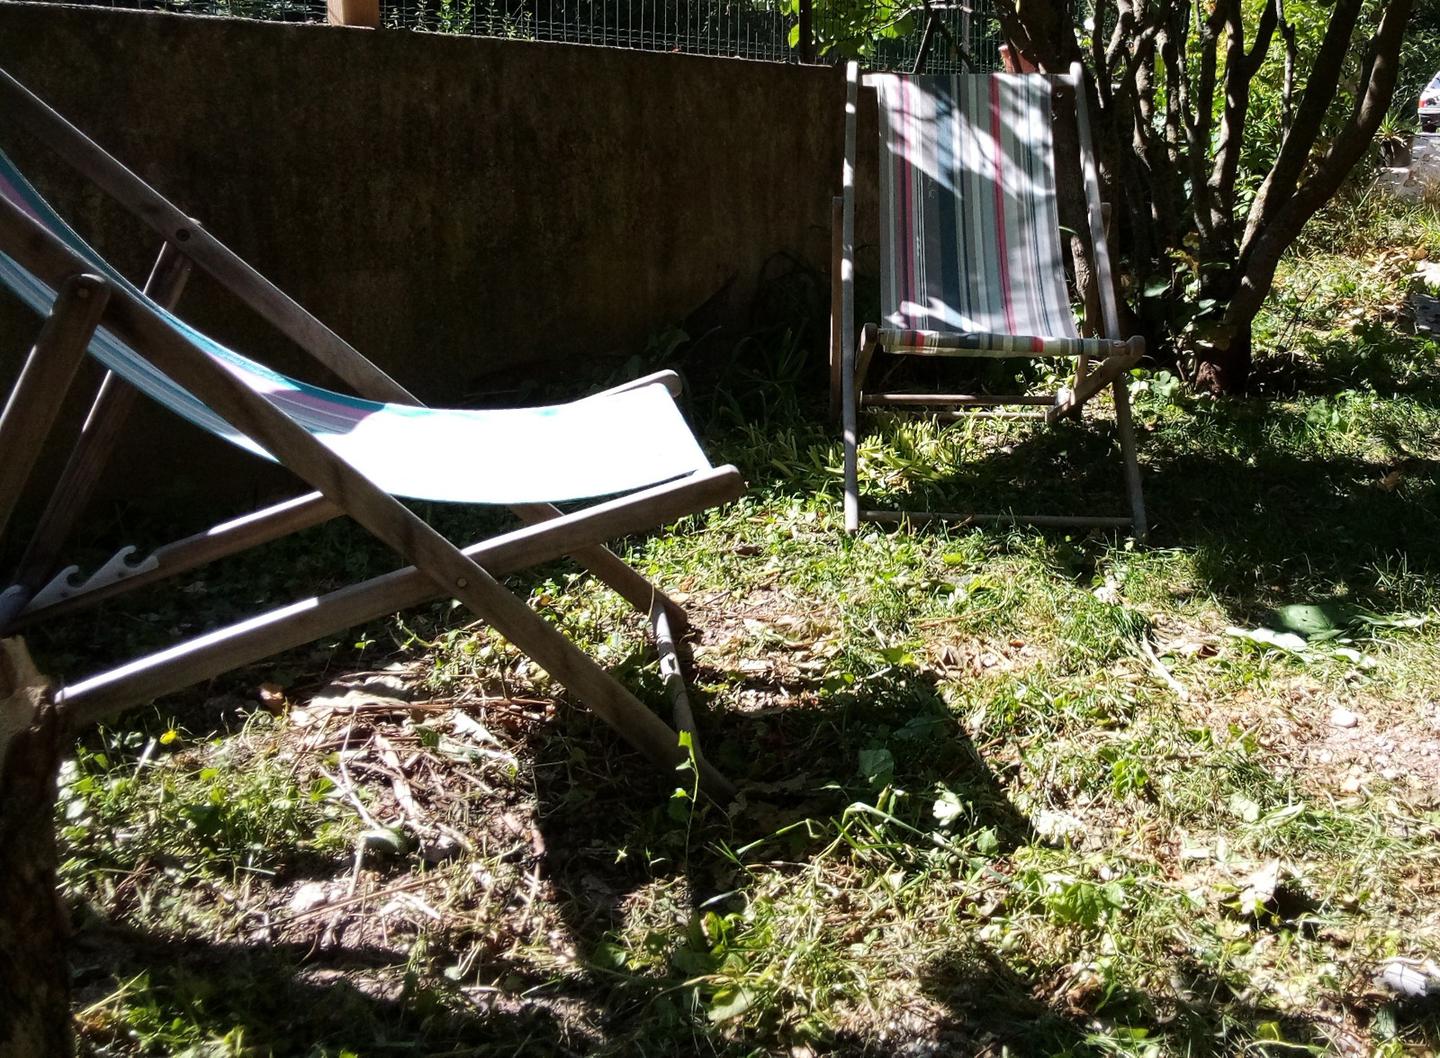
<point>971,262</point>
<point>358,453</point>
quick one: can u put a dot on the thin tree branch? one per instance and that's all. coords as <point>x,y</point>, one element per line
<point>1320,88</point>
<point>1240,68</point>
<point>1287,94</point>
<point>1262,256</point>
<point>1264,31</point>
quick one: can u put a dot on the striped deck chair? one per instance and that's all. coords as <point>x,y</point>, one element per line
<point>971,261</point>
<point>630,444</point>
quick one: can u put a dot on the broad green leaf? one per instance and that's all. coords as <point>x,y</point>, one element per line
<point>730,1002</point>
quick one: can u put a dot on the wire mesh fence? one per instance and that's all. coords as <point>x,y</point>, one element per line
<point>888,34</point>
<point>262,10</point>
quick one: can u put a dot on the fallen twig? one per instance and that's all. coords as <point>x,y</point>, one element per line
<point>1158,666</point>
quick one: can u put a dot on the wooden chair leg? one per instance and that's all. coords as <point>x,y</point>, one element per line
<point>40,390</point>
<point>837,296</point>
<point>673,673</point>
<point>856,366</point>
<point>611,569</point>
<point>850,400</point>
<point>1111,370</point>
<point>869,346</point>
<point>1126,429</point>
<point>1082,371</point>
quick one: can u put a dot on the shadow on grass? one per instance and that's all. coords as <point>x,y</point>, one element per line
<point>292,999</point>
<point>808,776</point>
<point>1267,523</point>
<point>801,769</point>
<point>990,1009</point>
<point>1374,357</point>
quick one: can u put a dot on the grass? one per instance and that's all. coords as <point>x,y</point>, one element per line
<point>1004,792</point>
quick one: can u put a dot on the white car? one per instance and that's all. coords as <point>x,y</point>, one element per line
<point>1430,105</point>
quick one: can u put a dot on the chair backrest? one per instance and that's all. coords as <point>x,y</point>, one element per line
<point>970,231</point>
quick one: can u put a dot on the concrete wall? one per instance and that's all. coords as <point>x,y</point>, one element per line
<point>453,206</point>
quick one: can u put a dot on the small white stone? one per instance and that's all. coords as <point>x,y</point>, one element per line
<point>309,896</point>
<point>1344,718</point>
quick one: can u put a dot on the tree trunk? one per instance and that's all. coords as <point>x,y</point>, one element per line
<point>1224,368</point>
<point>34,971</point>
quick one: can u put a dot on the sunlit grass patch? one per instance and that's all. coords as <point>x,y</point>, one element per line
<point>143,812</point>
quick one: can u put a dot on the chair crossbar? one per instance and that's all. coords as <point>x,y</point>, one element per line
<point>176,558</point>
<point>932,400</point>
<point>284,628</point>
<point>969,518</point>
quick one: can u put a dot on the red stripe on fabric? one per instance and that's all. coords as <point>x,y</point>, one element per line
<point>995,134</point>
<point>12,193</point>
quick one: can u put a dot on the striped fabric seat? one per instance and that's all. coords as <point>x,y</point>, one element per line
<point>605,445</point>
<point>970,232</point>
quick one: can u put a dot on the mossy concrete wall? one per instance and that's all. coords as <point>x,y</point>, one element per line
<point>455,207</point>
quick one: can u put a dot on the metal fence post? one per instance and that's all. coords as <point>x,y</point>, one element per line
<point>807,31</point>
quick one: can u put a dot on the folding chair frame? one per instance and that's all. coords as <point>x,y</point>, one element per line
<point>439,569</point>
<point>850,360</point>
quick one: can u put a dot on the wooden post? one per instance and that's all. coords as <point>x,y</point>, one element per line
<point>40,390</point>
<point>807,30</point>
<point>364,14</point>
<point>33,928</point>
